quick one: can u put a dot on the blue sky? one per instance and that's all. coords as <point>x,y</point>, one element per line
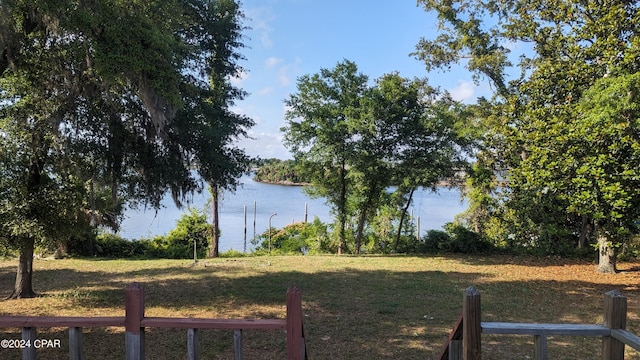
<point>291,38</point>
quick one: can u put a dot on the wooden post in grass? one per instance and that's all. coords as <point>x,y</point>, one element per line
<point>134,312</point>
<point>614,317</point>
<point>471,326</point>
<point>295,336</point>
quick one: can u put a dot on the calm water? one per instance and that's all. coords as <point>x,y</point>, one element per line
<point>288,202</point>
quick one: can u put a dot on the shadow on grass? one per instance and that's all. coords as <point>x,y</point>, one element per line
<point>350,312</point>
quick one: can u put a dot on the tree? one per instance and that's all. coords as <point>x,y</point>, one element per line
<point>408,137</point>
<point>434,149</point>
<point>129,95</point>
<point>320,133</point>
<point>209,127</point>
<point>358,140</point>
<point>566,47</point>
<point>602,154</point>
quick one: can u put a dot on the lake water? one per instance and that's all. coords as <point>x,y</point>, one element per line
<point>288,202</point>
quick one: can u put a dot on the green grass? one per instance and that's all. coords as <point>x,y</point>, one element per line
<point>397,307</point>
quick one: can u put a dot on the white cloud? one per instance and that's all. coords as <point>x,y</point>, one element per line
<point>260,19</point>
<point>284,78</point>
<point>265,145</point>
<point>265,91</point>
<point>288,71</point>
<point>463,91</point>
<point>272,62</point>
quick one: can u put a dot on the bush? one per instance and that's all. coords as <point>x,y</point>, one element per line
<point>298,238</point>
<point>178,244</point>
<point>192,227</point>
<point>232,254</point>
<point>436,240</point>
<point>456,238</point>
<point>113,245</point>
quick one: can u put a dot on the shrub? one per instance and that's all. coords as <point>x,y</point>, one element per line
<point>456,238</point>
<point>192,227</point>
<point>464,240</point>
<point>177,244</point>
<point>436,240</point>
<point>297,238</point>
<point>113,245</point>
<point>232,254</point>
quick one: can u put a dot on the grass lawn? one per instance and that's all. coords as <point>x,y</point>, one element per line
<point>397,307</point>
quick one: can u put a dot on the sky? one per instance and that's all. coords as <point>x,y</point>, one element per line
<point>290,38</point>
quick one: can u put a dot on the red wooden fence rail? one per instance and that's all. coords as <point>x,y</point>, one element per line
<point>135,323</point>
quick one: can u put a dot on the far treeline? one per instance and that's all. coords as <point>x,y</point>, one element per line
<point>107,104</point>
<point>276,171</point>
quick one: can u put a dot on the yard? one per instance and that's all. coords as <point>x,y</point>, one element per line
<point>392,307</point>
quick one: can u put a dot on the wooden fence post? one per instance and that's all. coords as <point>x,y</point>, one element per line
<point>193,344</point>
<point>75,343</point>
<point>295,337</point>
<point>455,350</point>
<point>614,317</point>
<point>134,333</point>
<point>471,325</point>
<point>29,336</point>
<point>237,345</point>
<point>540,347</point>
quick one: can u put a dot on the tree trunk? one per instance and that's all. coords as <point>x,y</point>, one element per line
<point>363,213</point>
<point>402,216</point>
<point>585,231</point>
<point>606,255</point>
<point>342,207</point>
<point>360,230</point>
<point>215,233</point>
<point>24,277</point>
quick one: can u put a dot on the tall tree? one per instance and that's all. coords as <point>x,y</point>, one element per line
<point>602,158</point>
<point>358,140</point>
<point>566,47</point>
<point>132,94</point>
<point>408,137</point>
<point>320,133</point>
<point>432,150</point>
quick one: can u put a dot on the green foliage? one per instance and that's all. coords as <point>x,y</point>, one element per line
<point>115,246</point>
<point>563,121</point>
<point>436,240</point>
<point>353,141</point>
<point>298,238</point>
<point>6,247</point>
<point>319,134</point>
<point>630,250</point>
<point>177,244</point>
<point>127,96</point>
<point>279,172</point>
<point>192,227</point>
<point>232,254</point>
<point>455,238</point>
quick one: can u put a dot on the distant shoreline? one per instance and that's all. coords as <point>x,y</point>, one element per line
<point>284,183</point>
<point>443,183</point>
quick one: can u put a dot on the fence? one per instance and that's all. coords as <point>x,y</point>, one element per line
<point>464,342</point>
<point>135,323</point>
